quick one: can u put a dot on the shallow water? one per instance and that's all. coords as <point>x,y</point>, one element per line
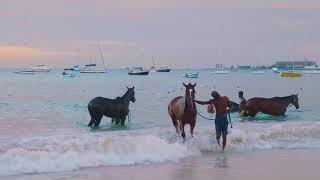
<point>43,123</point>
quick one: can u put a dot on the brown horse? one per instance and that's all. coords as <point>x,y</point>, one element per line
<point>183,110</point>
<point>276,106</point>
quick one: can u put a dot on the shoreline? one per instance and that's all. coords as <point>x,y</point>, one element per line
<point>293,164</point>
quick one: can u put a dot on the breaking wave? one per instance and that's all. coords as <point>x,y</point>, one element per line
<point>69,152</point>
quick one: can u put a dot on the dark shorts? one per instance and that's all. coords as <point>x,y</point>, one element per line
<point>221,126</point>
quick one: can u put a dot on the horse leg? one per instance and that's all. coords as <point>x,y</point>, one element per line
<point>91,122</point>
<point>183,134</point>
<point>93,116</point>
<point>117,120</point>
<point>98,120</point>
<point>175,123</point>
<point>113,120</point>
<point>192,125</point>
<point>123,120</point>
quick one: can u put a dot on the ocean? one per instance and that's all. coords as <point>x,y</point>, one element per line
<point>44,133</point>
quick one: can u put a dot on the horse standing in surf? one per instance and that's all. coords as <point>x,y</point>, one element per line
<point>183,110</point>
<point>276,106</point>
<point>117,109</point>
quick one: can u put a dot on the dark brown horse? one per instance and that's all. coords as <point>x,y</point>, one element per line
<point>183,110</point>
<point>276,106</point>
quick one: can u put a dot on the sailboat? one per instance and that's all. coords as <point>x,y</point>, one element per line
<point>92,67</point>
<point>159,69</point>
<point>74,71</point>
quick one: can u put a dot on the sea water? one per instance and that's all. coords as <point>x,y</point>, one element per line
<point>44,117</point>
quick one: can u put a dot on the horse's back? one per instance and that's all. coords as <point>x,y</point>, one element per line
<point>265,105</point>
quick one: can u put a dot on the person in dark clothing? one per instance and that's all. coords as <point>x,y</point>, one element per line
<point>222,105</point>
<point>242,105</point>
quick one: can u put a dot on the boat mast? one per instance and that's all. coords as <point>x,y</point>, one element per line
<point>89,55</point>
<point>101,56</point>
<point>78,55</point>
<point>154,64</point>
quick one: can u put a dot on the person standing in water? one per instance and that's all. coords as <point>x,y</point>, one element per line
<point>222,105</point>
<point>242,105</point>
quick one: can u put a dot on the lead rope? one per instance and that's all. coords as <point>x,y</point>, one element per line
<point>211,119</point>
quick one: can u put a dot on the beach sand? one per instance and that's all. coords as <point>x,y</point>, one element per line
<point>263,165</point>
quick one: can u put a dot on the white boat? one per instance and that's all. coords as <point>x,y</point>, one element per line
<point>312,72</point>
<point>92,68</point>
<point>159,69</point>
<point>219,72</point>
<point>275,70</point>
<point>310,68</point>
<point>24,72</point>
<point>139,72</point>
<point>257,72</point>
<point>39,68</point>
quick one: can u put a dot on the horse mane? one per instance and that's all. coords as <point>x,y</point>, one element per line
<point>281,98</point>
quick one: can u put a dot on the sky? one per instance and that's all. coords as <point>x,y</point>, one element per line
<point>176,33</point>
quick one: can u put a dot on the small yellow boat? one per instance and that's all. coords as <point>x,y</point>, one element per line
<point>290,74</point>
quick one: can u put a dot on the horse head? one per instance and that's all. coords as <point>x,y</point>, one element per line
<point>190,91</point>
<point>131,93</point>
<point>295,100</point>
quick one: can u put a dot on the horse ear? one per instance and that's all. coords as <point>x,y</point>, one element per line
<point>127,87</point>
<point>184,85</point>
<point>194,84</point>
<point>133,87</point>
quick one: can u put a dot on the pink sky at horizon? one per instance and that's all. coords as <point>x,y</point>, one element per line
<point>177,33</point>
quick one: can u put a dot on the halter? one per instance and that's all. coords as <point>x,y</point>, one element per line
<point>294,101</point>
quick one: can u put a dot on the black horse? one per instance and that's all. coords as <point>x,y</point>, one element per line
<point>117,109</point>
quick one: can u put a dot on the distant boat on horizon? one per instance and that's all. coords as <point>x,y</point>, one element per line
<point>163,69</point>
<point>139,72</point>
<point>159,69</point>
<point>312,72</point>
<point>24,72</point>
<point>290,74</point>
<point>219,72</point>
<point>192,75</point>
<point>257,72</point>
<point>92,67</point>
<point>39,68</point>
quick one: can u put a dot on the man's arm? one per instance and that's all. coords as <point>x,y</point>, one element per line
<point>203,102</point>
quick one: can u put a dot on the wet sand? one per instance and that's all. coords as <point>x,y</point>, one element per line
<point>262,165</point>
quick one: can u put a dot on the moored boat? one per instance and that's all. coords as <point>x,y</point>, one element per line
<point>257,72</point>
<point>91,68</point>
<point>191,75</point>
<point>312,72</point>
<point>290,74</point>
<point>138,72</point>
<point>163,69</point>
<point>275,70</point>
<point>24,72</point>
<point>39,68</point>
<point>219,72</point>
